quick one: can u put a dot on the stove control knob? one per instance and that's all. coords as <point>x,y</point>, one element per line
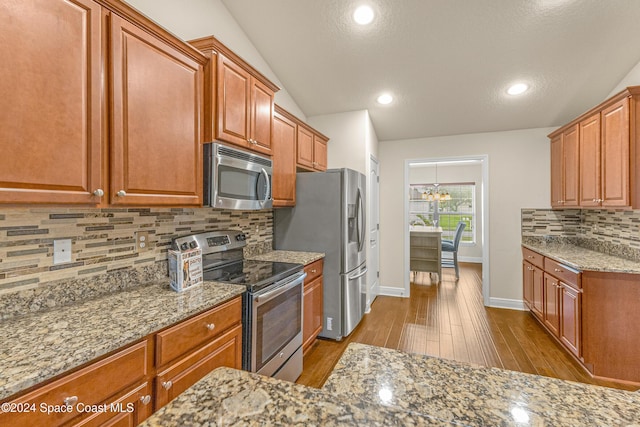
<point>193,244</point>
<point>184,246</point>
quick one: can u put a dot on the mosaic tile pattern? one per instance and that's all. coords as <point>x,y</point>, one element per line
<point>103,240</point>
<point>613,232</point>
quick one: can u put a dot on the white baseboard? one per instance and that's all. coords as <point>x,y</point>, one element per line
<point>512,304</point>
<point>471,259</point>
<point>391,292</point>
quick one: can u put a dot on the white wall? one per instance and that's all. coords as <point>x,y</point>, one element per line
<point>469,252</point>
<point>519,176</point>
<point>192,19</point>
<point>631,79</point>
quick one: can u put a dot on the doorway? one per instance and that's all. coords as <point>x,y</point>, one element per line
<point>427,177</point>
<point>373,252</point>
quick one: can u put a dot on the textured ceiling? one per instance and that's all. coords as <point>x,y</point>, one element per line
<point>447,62</point>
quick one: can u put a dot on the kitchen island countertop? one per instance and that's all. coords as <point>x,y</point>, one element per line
<point>297,257</point>
<point>378,386</point>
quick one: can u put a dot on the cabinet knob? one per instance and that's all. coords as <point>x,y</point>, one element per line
<point>71,400</point>
<point>145,399</point>
<point>530,256</point>
<point>98,193</point>
<point>167,385</point>
<point>121,193</point>
<point>557,270</point>
<point>211,326</point>
<point>313,270</point>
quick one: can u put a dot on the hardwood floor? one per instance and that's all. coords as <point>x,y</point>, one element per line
<point>450,321</point>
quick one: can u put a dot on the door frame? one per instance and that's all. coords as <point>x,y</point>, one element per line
<point>484,213</point>
<point>373,277</point>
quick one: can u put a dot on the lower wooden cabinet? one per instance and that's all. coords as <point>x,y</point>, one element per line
<point>312,304</point>
<point>571,319</point>
<point>533,282</point>
<point>127,410</point>
<point>551,297</point>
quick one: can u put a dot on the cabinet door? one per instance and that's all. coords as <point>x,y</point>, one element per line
<point>156,121</point>
<point>304,156</point>
<point>261,117</point>
<point>127,410</point>
<point>312,320</point>
<point>537,301</point>
<point>527,284</point>
<point>50,98</point>
<point>319,153</point>
<point>615,155</point>
<point>284,162</point>
<point>557,185</point>
<point>234,94</point>
<point>571,319</point>
<point>571,167</point>
<point>590,192</point>
<point>551,304</point>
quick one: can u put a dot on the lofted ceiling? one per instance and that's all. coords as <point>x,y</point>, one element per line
<point>448,63</point>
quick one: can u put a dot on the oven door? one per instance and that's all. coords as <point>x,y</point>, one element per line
<point>239,180</point>
<point>276,324</point>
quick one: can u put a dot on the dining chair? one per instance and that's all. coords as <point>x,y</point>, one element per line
<point>452,246</point>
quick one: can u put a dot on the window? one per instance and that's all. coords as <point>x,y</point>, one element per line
<point>446,214</point>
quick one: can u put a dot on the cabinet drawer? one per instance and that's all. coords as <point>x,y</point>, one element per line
<point>185,336</point>
<point>313,270</point>
<point>533,257</point>
<point>89,386</point>
<point>562,272</point>
<point>223,351</point>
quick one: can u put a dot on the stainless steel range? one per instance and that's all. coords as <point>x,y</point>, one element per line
<point>272,305</point>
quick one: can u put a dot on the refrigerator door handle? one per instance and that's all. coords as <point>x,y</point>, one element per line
<point>361,222</point>
<point>359,275</point>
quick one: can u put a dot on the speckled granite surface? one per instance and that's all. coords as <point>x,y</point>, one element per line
<point>42,345</point>
<point>228,397</point>
<point>579,257</point>
<point>475,396</point>
<point>288,256</point>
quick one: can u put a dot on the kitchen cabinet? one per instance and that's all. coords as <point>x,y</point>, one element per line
<point>533,286</point>
<point>111,66</point>
<point>312,304</point>
<point>312,149</point>
<point>571,319</point>
<point>565,169</point>
<point>551,297</point>
<point>609,155</point>
<point>239,100</point>
<point>127,370</point>
<point>283,190</point>
<point>191,349</point>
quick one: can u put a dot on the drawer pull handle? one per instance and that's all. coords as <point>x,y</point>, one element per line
<point>121,193</point>
<point>145,399</point>
<point>99,192</point>
<point>530,256</point>
<point>557,270</point>
<point>314,270</point>
<point>71,400</point>
<point>281,355</point>
<point>211,326</point>
<point>167,385</point>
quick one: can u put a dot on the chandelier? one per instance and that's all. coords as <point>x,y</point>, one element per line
<point>435,194</point>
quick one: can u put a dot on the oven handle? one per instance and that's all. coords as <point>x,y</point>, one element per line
<point>280,289</point>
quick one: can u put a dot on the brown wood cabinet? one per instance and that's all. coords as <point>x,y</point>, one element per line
<point>312,150</point>
<point>571,319</point>
<point>551,314</point>
<point>113,66</point>
<point>312,304</point>
<point>239,100</point>
<point>533,284</point>
<point>609,155</point>
<point>283,190</point>
<point>565,169</point>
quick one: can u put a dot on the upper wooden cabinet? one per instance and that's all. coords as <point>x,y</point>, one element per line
<point>565,169</point>
<point>62,90</point>
<point>238,98</point>
<point>50,98</point>
<point>283,189</point>
<point>608,153</point>
<point>312,149</point>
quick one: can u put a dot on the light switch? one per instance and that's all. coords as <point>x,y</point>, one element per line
<point>61,251</point>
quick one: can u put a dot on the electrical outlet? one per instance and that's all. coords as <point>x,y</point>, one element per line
<point>142,241</point>
<point>61,251</point>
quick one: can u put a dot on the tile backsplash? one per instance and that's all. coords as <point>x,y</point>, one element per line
<point>103,240</point>
<point>616,232</point>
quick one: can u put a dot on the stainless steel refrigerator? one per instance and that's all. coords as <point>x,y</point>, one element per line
<point>329,217</point>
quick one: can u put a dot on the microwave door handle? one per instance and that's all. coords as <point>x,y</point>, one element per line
<point>267,193</point>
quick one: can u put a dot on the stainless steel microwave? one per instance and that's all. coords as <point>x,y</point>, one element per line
<point>236,179</point>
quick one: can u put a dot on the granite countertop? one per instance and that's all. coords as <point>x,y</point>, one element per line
<point>42,345</point>
<point>378,386</point>
<point>581,258</point>
<point>289,256</point>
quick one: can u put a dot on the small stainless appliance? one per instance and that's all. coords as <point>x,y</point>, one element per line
<point>236,179</point>
<point>272,305</point>
<point>329,217</point>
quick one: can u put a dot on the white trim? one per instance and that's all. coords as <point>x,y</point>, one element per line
<point>512,304</point>
<point>393,292</point>
<point>471,259</point>
<point>484,214</point>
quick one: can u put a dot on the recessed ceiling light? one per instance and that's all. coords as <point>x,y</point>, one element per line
<point>385,99</point>
<point>363,15</point>
<point>518,89</point>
